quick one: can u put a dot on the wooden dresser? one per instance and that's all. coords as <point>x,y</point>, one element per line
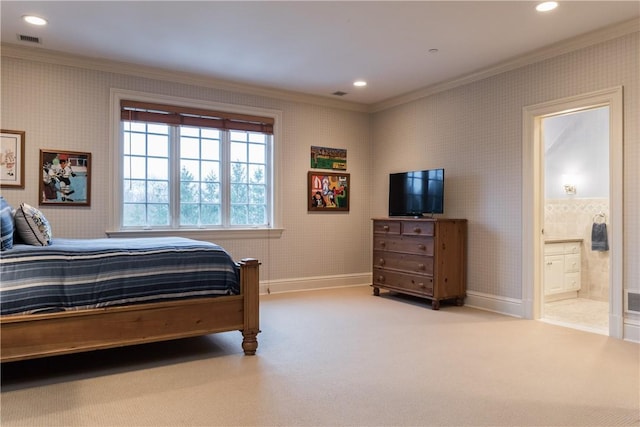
<point>420,257</point>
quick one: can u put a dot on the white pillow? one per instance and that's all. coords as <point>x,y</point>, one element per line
<point>32,226</point>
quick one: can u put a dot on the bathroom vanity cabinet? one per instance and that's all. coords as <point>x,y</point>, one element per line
<point>562,268</point>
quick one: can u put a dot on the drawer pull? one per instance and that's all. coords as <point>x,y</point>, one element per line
<point>381,279</point>
<point>381,262</point>
<point>383,243</point>
<point>422,247</point>
<point>420,266</point>
<point>385,227</point>
<point>417,230</point>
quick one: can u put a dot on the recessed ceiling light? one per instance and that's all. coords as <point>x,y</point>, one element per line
<point>359,83</point>
<point>434,50</point>
<point>546,6</point>
<point>35,20</point>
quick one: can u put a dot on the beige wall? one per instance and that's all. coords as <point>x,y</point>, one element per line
<point>64,107</point>
<point>475,132</point>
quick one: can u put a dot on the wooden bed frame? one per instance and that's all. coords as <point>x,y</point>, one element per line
<point>32,336</point>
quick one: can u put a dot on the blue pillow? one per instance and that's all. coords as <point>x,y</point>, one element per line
<point>6,225</point>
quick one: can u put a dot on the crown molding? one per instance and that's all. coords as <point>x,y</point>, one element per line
<point>30,53</point>
<point>560,48</point>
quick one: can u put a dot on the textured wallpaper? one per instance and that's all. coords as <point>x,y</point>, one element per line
<point>63,107</point>
<point>474,131</point>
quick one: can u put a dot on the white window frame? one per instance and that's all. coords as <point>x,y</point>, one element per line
<point>116,154</point>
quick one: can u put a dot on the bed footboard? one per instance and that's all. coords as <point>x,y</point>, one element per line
<point>33,336</point>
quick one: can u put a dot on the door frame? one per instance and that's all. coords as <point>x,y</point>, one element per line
<point>533,199</point>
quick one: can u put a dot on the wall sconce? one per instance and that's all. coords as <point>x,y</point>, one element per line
<point>569,185</point>
<point>569,189</point>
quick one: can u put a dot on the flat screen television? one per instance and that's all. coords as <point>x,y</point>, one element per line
<point>416,193</point>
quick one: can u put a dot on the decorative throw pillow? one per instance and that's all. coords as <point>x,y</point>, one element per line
<point>6,225</point>
<point>32,226</point>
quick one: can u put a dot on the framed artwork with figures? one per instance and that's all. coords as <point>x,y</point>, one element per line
<point>66,178</point>
<point>328,192</point>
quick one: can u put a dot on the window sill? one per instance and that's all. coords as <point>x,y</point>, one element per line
<point>238,233</point>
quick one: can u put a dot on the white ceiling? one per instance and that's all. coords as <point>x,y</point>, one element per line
<point>310,47</point>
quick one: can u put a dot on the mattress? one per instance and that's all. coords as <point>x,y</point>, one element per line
<point>74,274</point>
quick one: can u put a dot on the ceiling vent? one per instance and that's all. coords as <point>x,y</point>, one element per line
<point>339,93</point>
<point>29,39</point>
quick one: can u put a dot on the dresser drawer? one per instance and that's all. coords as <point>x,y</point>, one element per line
<point>403,282</point>
<point>572,248</point>
<point>572,282</point>
<point>412,245</point>
<point>417,228</point>
<point>562,248</point>
<point>407,262</point>
<point>572,263</point>
<point>386,227</point>
<point>554,248</point>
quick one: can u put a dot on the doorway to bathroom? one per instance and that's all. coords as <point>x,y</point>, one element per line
<point>572,212</point>
<point>576,209</point>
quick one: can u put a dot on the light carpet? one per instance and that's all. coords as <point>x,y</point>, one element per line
<point>342,357</point>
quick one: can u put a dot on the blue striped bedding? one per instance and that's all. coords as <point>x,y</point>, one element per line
<point>73,274</point>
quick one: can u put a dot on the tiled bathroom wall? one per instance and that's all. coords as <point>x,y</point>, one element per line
<point>574,218</point>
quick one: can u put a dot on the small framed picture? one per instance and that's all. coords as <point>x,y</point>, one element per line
<point>66,178</point>
<point>328,158</point>
<point>328,192</point>
<point>12,159</point>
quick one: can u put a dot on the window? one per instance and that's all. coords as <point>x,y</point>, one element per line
<point>194,168</point>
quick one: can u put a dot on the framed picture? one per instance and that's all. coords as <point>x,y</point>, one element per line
<point>66,178</point>
<point>12,159</point>
<point>328,192</point>
<point>328,158</point>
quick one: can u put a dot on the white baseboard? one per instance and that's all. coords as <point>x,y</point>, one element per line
<point>631,331</point>
<point>313,283</point>
<point>503,305</point>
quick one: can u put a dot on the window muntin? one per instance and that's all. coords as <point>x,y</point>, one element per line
<point>178,176</point>
<point>200,176</point>
<point>248,184</point>
<point>146,175</point>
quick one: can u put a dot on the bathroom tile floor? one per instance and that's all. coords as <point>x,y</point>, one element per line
<point>579,313</point>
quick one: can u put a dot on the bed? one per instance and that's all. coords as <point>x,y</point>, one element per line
<point>75,295</point>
